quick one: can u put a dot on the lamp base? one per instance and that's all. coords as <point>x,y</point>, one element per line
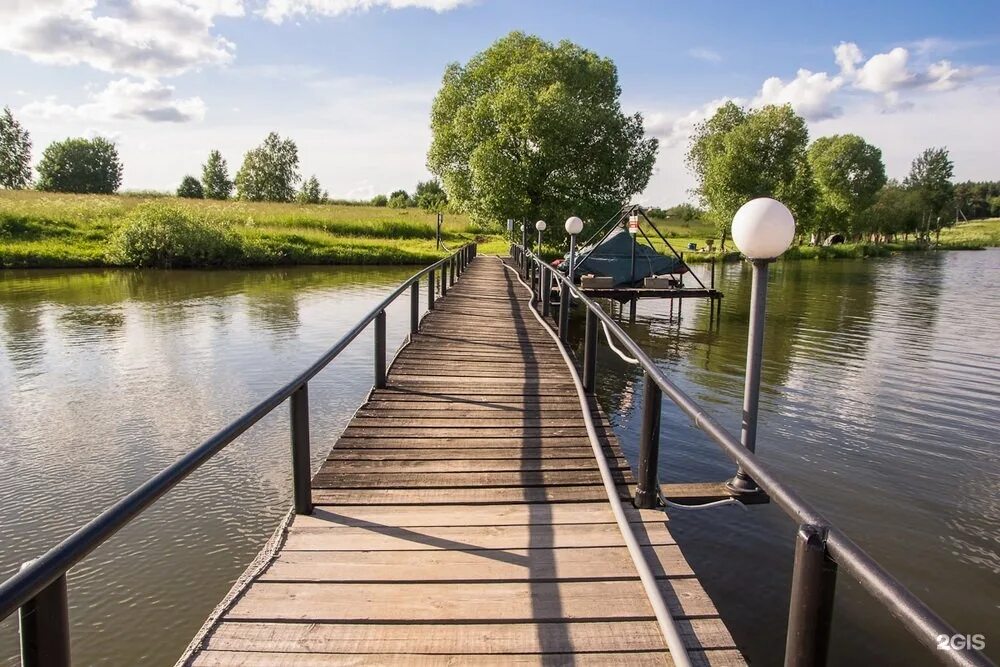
<point>742,483</point>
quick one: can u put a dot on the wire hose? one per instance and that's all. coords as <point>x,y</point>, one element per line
<point>678,651</point>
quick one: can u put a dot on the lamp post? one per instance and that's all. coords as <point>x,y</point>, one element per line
<point>524,236</point>
<point>574,226</point>
<point>762,229</point>
<point>540,226</point>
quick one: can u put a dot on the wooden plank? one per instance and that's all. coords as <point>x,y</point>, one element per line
<point>477,440</point>
<point>548,601</point>
<point>475,515</point>
<point>378,537</point>
<point>508,464</point>
<point>389,453</point>
<point>620,659</point>
<point>438,639</point>
<point>329,478</point>
<point>476,496</point>
<point>597,563</point>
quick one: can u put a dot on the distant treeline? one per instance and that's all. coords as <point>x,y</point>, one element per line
<point>269,172</point>
<point>976,200</point>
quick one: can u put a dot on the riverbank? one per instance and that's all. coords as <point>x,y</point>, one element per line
<point>46,230</point>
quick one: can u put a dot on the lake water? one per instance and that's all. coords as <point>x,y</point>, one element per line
<point>880,403</point>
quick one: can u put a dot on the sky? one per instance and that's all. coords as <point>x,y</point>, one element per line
<point>352,81</point>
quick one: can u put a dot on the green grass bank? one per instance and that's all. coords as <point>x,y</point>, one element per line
<point>47,230</point>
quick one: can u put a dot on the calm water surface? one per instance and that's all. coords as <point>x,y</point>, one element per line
<point>881,403</point>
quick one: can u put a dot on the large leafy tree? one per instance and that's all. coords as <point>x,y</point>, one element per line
<point>15,153</point>
<point>930,176</point>
<point>739,154</point>
<point>215,177</point>
<point>527,129</point>
<point>80,165</point>
<point>849,173</point>
<point>270,171</point>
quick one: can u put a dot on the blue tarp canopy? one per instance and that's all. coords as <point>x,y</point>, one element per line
<point>613,257</point>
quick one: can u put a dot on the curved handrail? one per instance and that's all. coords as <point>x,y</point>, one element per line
<point>36,576</point>
<point>918,618</point>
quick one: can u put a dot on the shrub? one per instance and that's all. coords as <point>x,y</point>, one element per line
<point>190,188</point>
<point>160,235</point>
<point>380,200</point>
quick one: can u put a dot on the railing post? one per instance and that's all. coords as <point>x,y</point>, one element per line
<point>301,472</point>
<point>45,627</point>
<point>590,351</point>
<point>444,280</point>
<point>563,312</point>
<point>533,267</point>
<point>546,283</point>
<point>810,609</point>
<point>380,350</point>
<point>647,488</point>
<point>451,271</point>
<point>414,307</point>
<point>430,290</point>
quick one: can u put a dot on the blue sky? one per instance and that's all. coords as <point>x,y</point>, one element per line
<point>352,80</point>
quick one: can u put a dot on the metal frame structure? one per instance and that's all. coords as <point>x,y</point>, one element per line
<point>39,590</point>
<point>821,549</point>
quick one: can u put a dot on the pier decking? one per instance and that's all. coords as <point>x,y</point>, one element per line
<point>461,518</point>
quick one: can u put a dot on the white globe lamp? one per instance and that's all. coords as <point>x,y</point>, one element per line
<point>540,225</point>
<point>574,226</point>
<point>763,228</point>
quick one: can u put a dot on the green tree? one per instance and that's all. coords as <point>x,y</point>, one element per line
<point>430,196</point>
<point>739,154</point>
<point>80,165</point>
<point>215,177</point>
<point>311,192</point>
<point>930,176</point>
<point>270,171</point>
<point>531,130</point>
<point>399,199</point>
<point>895,211</point>
<point>190,188</point>
<point>380,200</point>
<point>849,174</point>
<point>15,153</point>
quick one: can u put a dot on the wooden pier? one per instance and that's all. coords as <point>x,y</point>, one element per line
<point>461,518</point>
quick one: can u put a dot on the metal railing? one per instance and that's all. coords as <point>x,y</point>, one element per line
<point>821,549</point>
<point>39,590</point>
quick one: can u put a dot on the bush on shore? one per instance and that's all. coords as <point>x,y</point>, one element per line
<point>158,235</point>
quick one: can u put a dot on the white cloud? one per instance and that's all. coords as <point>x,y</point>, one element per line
<point>279,10</point>
<point>673,128</point>
<point>708,55</point>
<point>123,99</point>
<point>927,98</point>
<point>809,93</point>
<point>886,72</point>
<point>147,38</point>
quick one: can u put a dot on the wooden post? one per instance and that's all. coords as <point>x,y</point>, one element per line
<point>45,627</point>
<point>380,350</point>
<point>810,609</point>
<point>430,290</point>
<point>647,488</point>
<point>590,352</point>
<point>301,471</point>
<point>414,308</point>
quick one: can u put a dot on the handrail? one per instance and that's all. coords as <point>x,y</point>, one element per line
<point>34,578</point>
<point>918,618</point>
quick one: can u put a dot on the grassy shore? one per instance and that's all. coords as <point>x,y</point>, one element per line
<point>58,230</point>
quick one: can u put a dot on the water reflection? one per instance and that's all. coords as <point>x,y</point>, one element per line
<point>880,403</point>
<point>109,376</point>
